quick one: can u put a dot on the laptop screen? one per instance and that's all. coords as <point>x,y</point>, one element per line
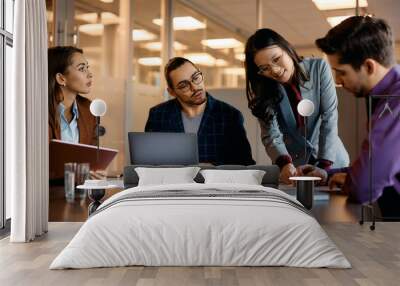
<point>163,148</point>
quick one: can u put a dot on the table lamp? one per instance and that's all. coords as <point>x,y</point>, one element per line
<point>98,108</point>
<point>305,108</point>
<point>304,184</point>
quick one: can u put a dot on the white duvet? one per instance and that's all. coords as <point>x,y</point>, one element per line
<point>192,231</point>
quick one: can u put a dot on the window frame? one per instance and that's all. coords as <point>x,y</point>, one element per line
<point>6,39</point>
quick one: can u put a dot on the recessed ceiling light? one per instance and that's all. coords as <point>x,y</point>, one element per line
<point>222,43</point>
<point>333,21</point>
<point>105,18</point>
<point>142,35</point>
<point>204,59</point>
<point>156,46</point>
<point>338,4</point>
<point>150,61</point>
<point>92,29</point>
<point>109,18</point>
<point>184,23</point>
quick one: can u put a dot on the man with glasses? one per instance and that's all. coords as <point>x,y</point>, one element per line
<point>219,126</point>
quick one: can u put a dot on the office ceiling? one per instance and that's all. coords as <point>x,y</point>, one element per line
<point>298,20</point>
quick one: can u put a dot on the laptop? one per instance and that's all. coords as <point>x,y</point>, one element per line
<point>163,148</point>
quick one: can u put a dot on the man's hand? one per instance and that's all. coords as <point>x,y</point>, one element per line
<point>337,180</point>
<point>310,170</point>
<point>289,170</point>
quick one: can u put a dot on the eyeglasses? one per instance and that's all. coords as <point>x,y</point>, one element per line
<point>276,62</point>
<point>196,79</point>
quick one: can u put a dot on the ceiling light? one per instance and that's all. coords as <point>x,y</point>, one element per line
<point>150,61</point>
<point>92,29</point>
<point>184,23</point>
<point>204,59</point>
<point>87,17</point>
<point>107,1</point>
<point>221,63</point>
<point>333,21</point>
<point>105,18</point>
<point>222,43</point>
<point>109,18</point>
<point>142,35</point>
<point>338,4</point>
<point>240,57</point>
<point>156,46</point>
<point>234,71</point>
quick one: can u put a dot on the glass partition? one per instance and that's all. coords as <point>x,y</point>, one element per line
<point>215,49</point>
<point>146,76</point>
<point>129,88</point>
<point>100,33</point>
<point>127,64</point>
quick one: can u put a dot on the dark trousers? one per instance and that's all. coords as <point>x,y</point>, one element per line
<point>389,203</point>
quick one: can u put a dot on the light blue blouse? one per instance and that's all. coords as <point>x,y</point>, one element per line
<point>69,130</point>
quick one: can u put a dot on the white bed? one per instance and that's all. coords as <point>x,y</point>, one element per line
<point>249,226</point>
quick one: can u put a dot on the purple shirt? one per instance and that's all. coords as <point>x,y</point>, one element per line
<point>385,138</point>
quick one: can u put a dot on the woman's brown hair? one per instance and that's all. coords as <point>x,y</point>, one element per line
<point>59,58</point>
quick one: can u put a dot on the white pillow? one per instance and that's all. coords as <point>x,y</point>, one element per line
<point>248,177</point>
<point>165,176</point>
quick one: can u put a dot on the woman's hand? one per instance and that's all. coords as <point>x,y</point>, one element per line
<point>312,171</point>
<point>289,170</point>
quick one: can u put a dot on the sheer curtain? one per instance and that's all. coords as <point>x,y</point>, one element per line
<point>26,124</point>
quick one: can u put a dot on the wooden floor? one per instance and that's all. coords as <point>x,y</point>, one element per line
<point>374,255</point>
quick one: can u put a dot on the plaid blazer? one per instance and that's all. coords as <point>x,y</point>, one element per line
<point>221,136</point>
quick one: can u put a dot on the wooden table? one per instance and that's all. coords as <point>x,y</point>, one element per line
<point>336,209</point>
<point>61,210</point>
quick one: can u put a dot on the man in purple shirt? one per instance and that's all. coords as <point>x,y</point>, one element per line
<point>361,52</point>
